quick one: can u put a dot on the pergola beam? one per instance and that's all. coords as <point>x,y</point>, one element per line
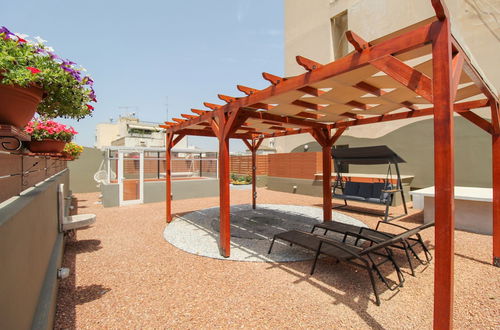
<point>406,75</point>
<point>477,120</point>
<point>457,65</point>
<point>458,107</point>
<point>307,64</point>
<point>246,90</point>
<point>274,80</point>
<point>356,41</point>
<point>397,45</point>
<point>282,119</point>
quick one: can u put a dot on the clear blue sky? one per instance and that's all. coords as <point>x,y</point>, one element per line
<point>140,52</point>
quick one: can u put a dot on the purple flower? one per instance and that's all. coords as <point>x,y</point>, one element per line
<point>67,69</point>
<point>3,29</point>
<point>72,72</point>
<point>76,75</point>
<point>68,63</point>
<point>88,81</point>
<point>92,95</point>
<point>53,56</point>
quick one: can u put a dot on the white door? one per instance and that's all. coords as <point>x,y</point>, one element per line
<point>131,177</point>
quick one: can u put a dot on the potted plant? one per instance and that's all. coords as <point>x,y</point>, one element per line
<point>33,78</point>
<point>72,150</point>
<point>48,136</point>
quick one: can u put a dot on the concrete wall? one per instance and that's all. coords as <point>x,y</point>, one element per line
<point>154,191</point>
<point>82,170</point>
<point>30,253</point>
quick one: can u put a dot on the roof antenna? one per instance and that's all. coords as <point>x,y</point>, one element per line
<point>166,105</point>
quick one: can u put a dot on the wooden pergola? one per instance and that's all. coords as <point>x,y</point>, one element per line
<point>419,71</point>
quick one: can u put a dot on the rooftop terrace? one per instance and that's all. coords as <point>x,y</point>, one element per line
<point>124,274</point>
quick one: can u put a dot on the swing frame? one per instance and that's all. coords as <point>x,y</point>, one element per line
<point>376,155</point>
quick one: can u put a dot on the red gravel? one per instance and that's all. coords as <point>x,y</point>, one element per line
<point>124,274</point>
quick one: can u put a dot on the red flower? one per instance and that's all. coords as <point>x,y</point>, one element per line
<point>33,70</point>
<point>20,39</point>
<point>91,108</point>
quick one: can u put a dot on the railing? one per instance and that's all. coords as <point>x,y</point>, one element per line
<point>19,172</point>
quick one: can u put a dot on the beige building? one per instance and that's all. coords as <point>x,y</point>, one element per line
<point>316,29</point>
<point>129,131</point>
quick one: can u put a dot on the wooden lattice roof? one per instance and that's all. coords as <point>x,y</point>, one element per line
<point>386,79</point>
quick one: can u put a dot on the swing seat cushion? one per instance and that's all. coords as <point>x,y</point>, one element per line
<point>366,192</point>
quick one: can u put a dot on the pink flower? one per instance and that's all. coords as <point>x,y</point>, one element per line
<point>28,129</point>
<point>33,70</point>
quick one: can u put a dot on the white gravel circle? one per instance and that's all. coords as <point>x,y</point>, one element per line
<point>197,232</point>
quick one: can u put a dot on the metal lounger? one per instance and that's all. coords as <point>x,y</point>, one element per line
<point>375,235</point>
<point>345,252</point>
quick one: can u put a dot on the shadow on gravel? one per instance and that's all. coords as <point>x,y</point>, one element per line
<point>69,295</point>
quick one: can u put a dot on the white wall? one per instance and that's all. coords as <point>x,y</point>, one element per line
<point>476,23</point>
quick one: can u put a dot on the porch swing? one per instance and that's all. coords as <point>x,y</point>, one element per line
<point>381,193</point>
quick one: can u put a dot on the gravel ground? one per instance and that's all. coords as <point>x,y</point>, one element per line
<point>125,275</point>
<point>251,231</point>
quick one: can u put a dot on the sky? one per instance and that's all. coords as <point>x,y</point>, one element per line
<point>143,53</point>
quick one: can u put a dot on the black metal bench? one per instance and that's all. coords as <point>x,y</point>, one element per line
<point>376,235</point>
<point>359,256</point>
<point>380,193</point>
<point>374,193</point>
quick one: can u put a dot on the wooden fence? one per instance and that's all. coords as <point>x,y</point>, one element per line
<point>302,165</point>
<point>243,164</point>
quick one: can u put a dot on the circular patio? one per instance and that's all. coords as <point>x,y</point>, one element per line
<point>251,231</point>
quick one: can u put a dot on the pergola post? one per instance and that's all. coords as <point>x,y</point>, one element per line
<point>254,177</point>
<point>327,182</point>
<point>253,147</point>
<point>443,173</point>
<point>170,142</point>
<point>326,141</point>
<point>224,198</point>
<point>168,176</point>
<point>496,198</point>
<point>222,129</point>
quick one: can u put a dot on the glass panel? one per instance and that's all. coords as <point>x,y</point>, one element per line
<point>113,164</point>
<point>131,176</point>
<point>151,168</point>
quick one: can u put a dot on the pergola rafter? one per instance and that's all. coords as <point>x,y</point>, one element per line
<point>418,71</point>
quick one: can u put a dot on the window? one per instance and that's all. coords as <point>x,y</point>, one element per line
<point>339,40</point>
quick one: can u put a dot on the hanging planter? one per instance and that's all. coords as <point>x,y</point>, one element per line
<point>46,146</point>
<point>18,104</point>
<point>48,136</point>
<point>33,78</point>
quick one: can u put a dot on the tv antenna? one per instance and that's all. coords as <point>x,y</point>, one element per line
<point>166,106</point>
<point>127,109</point>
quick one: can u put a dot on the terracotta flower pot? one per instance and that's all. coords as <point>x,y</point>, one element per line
<point>18,104</point>
<point>46,146</point>
<point>68,156</point>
